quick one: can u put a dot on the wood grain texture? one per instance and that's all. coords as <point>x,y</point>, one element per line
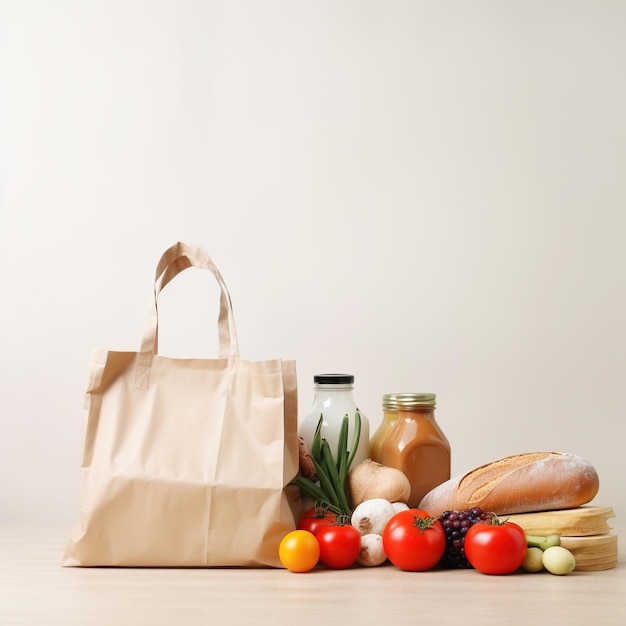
<point>577,522</point>
<point>35,589</point>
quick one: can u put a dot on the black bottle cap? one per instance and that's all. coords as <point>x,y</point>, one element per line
<point>334,379</point>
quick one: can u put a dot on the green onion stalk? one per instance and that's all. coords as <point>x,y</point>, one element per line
<point>331,489</point>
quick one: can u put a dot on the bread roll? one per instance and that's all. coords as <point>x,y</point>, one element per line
<point>522,483</point>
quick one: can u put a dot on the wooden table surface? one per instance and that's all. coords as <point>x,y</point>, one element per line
<point>35,589</point>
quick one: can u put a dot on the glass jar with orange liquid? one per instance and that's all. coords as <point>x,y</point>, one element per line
<point>416,445</point>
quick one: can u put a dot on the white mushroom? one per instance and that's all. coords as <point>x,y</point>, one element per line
<point>372,552</point>
<point>400,506</point>
<point>371,516</point>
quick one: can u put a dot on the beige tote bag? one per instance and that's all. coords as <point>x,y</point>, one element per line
<point>187,462</point>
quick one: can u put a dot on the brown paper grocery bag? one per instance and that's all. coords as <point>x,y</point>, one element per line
<point>187,462</point>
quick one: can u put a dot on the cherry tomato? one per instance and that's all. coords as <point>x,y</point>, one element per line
<point>495,547</point>
<point>413,540</point>
<point>299,551</point>
<point>340,545</point>
<point>317,518</point>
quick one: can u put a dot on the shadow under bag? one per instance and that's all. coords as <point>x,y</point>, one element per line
<point>187,462</point>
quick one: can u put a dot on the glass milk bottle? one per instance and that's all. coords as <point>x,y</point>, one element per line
<point>333,400</point>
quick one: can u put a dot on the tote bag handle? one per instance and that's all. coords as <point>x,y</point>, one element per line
<point>176,259</point>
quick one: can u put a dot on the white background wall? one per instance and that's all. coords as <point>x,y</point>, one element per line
<point>428,195</point>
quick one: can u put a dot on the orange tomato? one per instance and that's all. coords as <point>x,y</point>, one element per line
<point>299,551</point>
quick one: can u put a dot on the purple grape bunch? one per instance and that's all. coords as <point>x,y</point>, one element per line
<point>456,524</point>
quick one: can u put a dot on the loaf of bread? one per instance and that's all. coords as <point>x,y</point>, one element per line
<point>522,483</point>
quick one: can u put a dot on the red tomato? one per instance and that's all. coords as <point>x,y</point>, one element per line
<point>340,546</point>
<point>413,540</point>
<point>493,547</point>
<point>317,518</point>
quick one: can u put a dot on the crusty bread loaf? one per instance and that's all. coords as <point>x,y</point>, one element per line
<point>522,483</point>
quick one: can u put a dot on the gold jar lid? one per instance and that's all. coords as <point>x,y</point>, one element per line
<point>395,401</point>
